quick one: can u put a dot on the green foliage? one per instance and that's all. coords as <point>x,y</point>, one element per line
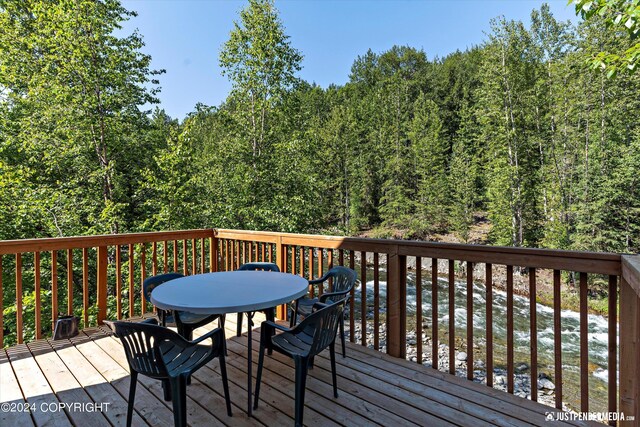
<point>262,177</point>
<point>464,176</point>
<point>430,151</point>
<point>70,111</point>
<point>507,102</point>
<point>261,65</point>
<point>618,15</point>
<point>28,317</point>
<point>412,145</point>
<point>513,127</point>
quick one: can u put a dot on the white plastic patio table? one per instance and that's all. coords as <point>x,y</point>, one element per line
<point>230,292</point>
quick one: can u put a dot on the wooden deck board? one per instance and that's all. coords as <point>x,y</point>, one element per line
<point>374,389</point>
<point>94,383</point>
<point>407,415</point>
<point>12,395</point>
<point>320,395</point>
<point>273,392</point>
<point>36,389</point>
<point>513,406</point>
<point>413,407</point>
<point>476,404</point>
<point>65,385</point>
<point>147,406</point>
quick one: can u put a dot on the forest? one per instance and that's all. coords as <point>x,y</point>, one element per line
<point>520,132</point>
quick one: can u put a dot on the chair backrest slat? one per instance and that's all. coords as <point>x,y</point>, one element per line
<point>322,326</point>
<point>143,344</point>
<point>343,278</point>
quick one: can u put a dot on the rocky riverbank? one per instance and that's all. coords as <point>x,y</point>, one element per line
<point>522,378</point>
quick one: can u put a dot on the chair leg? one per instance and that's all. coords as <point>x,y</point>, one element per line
<point>181,329</point>
<point>342,337</point>
<point>239,330</point>
<point>186,331</point>
<point>256,395</point>
<point>183,399</point>
<point>225,384</point>
<point>332,354</point>
<point>301,382</point>
<point>271,316</point>
<point>270,313</point>
<point>132,395</point>
<point>163,317</point>
<point>179,395</point>
<point>166,388</point>
<point>294,315</point>
<point>224,334</point>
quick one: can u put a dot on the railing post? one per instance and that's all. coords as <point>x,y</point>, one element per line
<point>213,252</point>
<point>629,403</point>
<point>281,312</point>
<point>1,308</point>
<point>102,284</point>
<point>396,310</point>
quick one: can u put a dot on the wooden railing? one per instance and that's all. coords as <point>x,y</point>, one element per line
<point>122,262</point>
<point>119,264</point>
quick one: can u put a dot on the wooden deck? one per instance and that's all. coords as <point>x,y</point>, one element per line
<point>375,389</point>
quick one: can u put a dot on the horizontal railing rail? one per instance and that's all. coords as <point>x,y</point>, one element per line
<point>435,280</point>
<point>588,262</point>
<point>79,242</point>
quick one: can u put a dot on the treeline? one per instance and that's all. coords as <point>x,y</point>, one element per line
<point>518,128</point>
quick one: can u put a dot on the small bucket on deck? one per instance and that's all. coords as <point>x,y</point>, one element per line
<point>66,327</point>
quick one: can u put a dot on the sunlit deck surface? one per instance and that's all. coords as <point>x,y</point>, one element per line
<point>374,389</point>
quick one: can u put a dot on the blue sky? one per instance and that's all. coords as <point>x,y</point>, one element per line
<point>185,36</point>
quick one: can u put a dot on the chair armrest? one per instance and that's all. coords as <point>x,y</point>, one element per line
<point>319,305</point>
<point>320,280</point>
<point>275,325</point>
<point>210,334</point>
<point>328,295</point>
<point>112,325</point>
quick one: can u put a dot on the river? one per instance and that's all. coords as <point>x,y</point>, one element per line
<point>570,324</point>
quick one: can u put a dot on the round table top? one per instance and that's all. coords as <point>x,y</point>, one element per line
<point>229,292</point>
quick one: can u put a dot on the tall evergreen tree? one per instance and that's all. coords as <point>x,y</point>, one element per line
<point>465,191</point>
<point>430,154</point>
<point>553,41</point>
<point>506,106</point>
